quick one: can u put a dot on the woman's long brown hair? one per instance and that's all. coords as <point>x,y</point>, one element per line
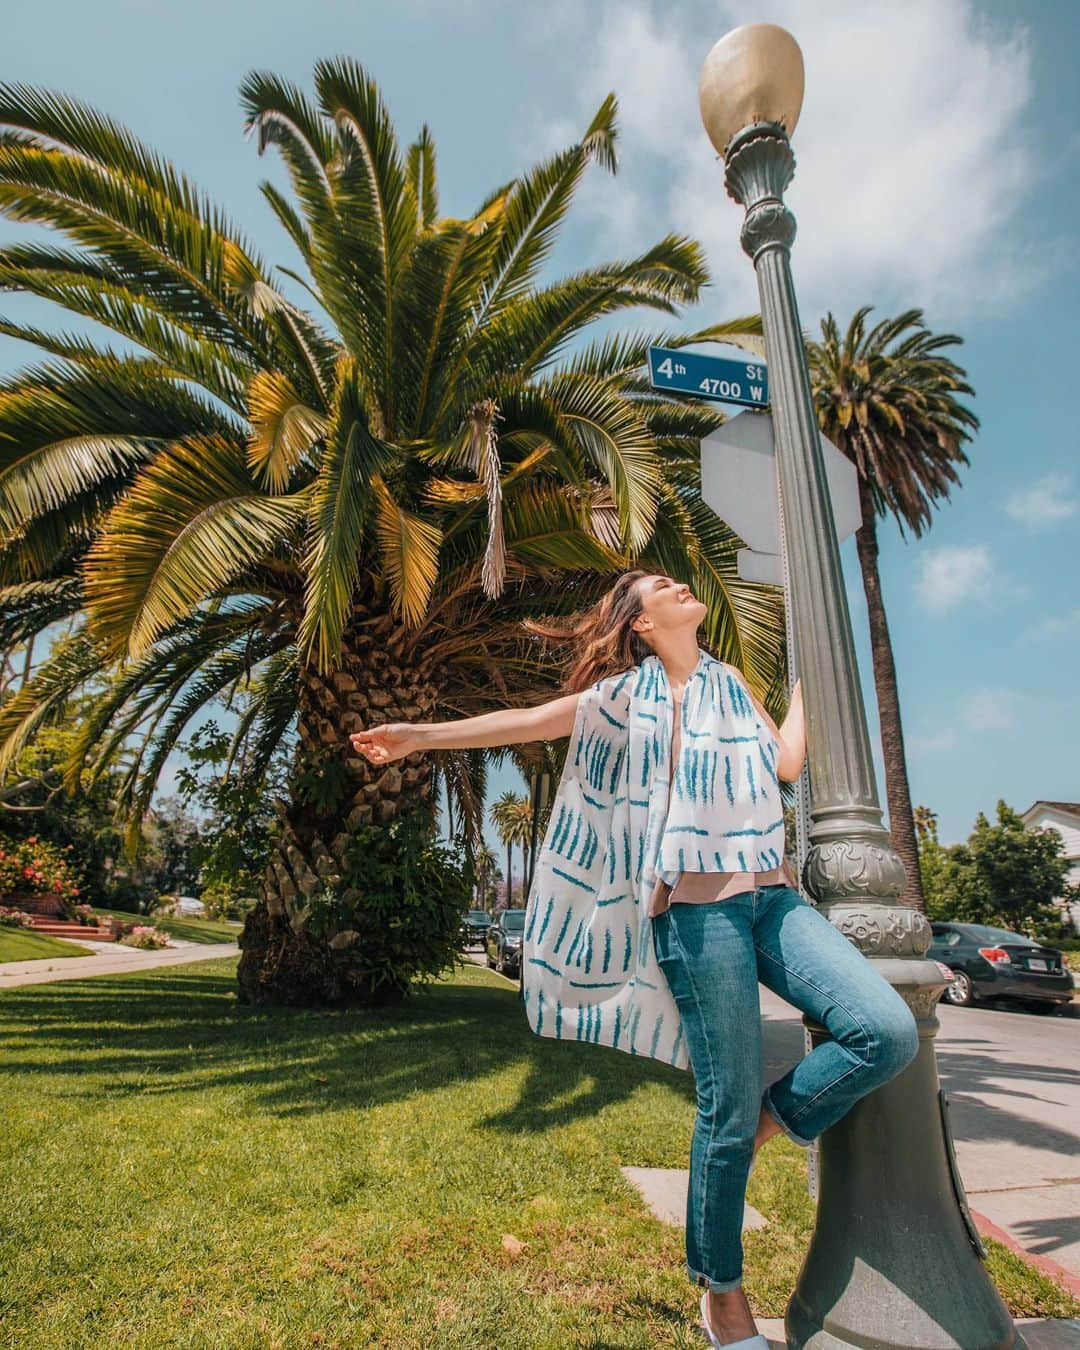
<point>604,641</point>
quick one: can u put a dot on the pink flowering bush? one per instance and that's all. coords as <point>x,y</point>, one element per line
<point>33,866</point>
<point>15,918</point>
<point>143,935</point>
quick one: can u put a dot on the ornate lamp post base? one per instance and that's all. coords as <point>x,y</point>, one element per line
<point>895,1259</point>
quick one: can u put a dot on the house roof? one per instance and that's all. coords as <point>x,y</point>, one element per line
<point>1073,808</point>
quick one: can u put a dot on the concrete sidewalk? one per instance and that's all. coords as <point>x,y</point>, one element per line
<point>110,958</point>
<point>1039,1333</point>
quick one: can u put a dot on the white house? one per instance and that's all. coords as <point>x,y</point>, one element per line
<point>1065,818</point>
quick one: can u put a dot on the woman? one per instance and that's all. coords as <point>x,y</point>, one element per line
<point>665,849</point>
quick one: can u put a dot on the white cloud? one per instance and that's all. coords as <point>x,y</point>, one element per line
<point>990,709</point>
<point>930,743</point>
<point>1053,625</point>
<point>983,709</point>
<point>1045,502</point>
<point>951,575</point>
<point>913,157</point>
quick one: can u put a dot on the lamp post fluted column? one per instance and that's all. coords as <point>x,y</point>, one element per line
<point>850,864</point>
<point>895,1260</point>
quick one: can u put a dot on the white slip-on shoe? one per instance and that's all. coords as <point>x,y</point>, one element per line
<point>757,1342</point>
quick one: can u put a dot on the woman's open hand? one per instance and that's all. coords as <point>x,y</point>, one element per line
<point>381,744</point>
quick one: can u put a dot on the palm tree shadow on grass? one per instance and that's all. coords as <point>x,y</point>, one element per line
<point>185,1032</point>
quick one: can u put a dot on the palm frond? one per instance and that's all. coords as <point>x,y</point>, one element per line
<point>339,507</point>
<point>69,664</point>
<point>284,430</point>
<point>409,547</point>
<point>422,178</point>
<point>193,521</point>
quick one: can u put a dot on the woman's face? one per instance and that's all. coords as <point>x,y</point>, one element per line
<point>666,605</point>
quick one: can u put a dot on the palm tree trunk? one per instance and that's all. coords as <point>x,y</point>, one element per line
<point>898,794</point>
<point>280,962</point>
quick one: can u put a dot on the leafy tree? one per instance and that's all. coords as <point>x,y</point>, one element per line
<point>1005,874</point>
<point>32,803</point>
<point>932,861</point>
<point>888,398</point>
<point>345,507</point>
<point>236,805</point>
<point>175,838</point>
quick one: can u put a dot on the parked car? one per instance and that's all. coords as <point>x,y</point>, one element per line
<point>988,962</point>
<point>474,924</point>
<point>503,942</point>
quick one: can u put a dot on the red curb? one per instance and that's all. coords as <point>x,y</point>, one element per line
<point>1048,1267</point>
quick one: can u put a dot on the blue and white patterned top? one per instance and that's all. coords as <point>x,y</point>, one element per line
<point>619,821</point>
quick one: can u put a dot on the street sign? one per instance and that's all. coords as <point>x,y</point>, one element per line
<point>755,566</point>
<point>743,382</point>
<point>738,480</point>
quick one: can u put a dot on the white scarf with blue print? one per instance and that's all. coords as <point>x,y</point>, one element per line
<point>619,822</point>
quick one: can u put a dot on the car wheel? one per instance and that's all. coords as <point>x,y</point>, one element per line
<point>959,992</point>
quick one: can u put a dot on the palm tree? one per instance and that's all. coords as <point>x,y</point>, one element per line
<point>485,866</point>
<point>926,823</point>
<point>511,816</point>
<point>345,508</point>
<point>888,399</point>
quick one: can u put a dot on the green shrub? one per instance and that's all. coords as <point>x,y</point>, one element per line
<point>393,918</point>
<point>130,894</point>
<point>227,899</point>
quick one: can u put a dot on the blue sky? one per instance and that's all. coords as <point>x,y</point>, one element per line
<point>937,167</point>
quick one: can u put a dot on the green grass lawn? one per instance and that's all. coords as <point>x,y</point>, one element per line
<point>183,1171</point>
<point>190,930</point>
<point>23,944</point>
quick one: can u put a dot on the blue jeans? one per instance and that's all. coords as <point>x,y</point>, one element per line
<point>713,955</point>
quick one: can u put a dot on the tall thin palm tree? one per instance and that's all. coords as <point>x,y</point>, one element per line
<point>888,398</point>
<point>926,823</point>
<point>345,506</point>
<point>511,815</point>
<point>485,865</point>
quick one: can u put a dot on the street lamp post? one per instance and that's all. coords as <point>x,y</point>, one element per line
<point>895,1259</point>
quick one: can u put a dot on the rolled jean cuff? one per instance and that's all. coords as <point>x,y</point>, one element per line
<point>771,1108</point>
<point>716,1286</point>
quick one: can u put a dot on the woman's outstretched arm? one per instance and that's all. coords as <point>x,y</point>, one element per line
<point>510,726</point>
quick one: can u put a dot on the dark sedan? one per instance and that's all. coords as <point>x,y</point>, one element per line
<point>989,962</point>
<point>474,926</point>
<point>503,942</point>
